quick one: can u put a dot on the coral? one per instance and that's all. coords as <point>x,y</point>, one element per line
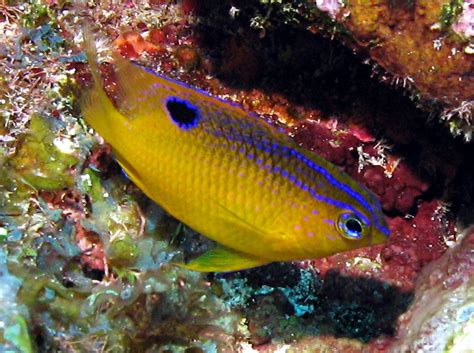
<point>424,47</point>
<point>132,45</point>
<point>419,44</point>
<point>419,22</point>
<point>414,242</point>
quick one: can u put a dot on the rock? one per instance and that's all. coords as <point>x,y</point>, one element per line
<point>442,314</point>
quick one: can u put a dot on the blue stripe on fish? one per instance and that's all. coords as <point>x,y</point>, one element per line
<point>287,152</point>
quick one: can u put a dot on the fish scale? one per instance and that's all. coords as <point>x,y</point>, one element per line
<point>229,175</point>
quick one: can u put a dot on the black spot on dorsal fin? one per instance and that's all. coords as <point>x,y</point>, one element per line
<point>182,112</point>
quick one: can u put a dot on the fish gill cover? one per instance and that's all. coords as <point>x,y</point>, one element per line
<point>85,256</point>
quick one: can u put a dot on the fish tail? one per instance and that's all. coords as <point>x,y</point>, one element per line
<point>100,113</point>
<point>97,109</point>
<point>91,52</point>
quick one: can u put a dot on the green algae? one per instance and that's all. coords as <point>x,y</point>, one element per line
<point>12,196</point>
<point>89,183</point>
<point>37,14</point>
<point>18,335</point>
<point>13,325</point>
<point>122,252</point>
<point>450,12</point>
<point>39,163</point>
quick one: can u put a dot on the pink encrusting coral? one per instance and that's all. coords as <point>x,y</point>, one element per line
<point>366,159</point>
<point>332,7</point>
<point>415,240</point>
<point>465,23</point>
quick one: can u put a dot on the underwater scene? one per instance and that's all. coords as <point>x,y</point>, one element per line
<point>248,176</point>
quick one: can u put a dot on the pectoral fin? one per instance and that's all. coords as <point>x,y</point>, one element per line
<point>223,259</point>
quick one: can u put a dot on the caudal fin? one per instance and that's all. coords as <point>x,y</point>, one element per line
<point>97,109</point>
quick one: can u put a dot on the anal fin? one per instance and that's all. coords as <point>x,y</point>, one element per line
<point>222,259</point>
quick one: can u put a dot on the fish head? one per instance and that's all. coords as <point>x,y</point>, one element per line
<point>363,222</point>
<point>347,217</point>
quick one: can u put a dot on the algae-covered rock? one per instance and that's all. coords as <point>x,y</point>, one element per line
<point>38,162</point>
<point>14,334</point>
<point>122,251</point>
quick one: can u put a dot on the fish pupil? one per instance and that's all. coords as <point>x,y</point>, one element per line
<point>182,112</point>
<point>354,226</point>
<point>351,226</point>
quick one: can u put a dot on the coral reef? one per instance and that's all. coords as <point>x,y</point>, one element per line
<point>422,47</point>
<point>85,256</point>
<point>426,45</point>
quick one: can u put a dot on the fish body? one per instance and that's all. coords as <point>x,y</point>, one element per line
<point>229,175</point>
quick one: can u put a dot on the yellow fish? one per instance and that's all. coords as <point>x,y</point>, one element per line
<point>228,174</point>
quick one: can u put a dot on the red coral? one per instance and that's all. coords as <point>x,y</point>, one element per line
<point>93,256</point>
<point>101,159</point>
<point>190,6</point>
<point>187,56</point>
<point>171,33</point>
<point>72,203</point>
<point>361,134</point>
<point>131,45</point>
<point>109,79</point>
<point>323,140</point>
<point>413,243</point>
<point>397,192</point>
<point>82,74</point>
<point>422,238</point>
<point>157,37</point>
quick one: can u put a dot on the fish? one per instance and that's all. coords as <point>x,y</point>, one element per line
<point>227,174</point>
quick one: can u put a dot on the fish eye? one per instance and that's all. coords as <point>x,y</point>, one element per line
<point>182,112</point>
<point>351,227</point>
